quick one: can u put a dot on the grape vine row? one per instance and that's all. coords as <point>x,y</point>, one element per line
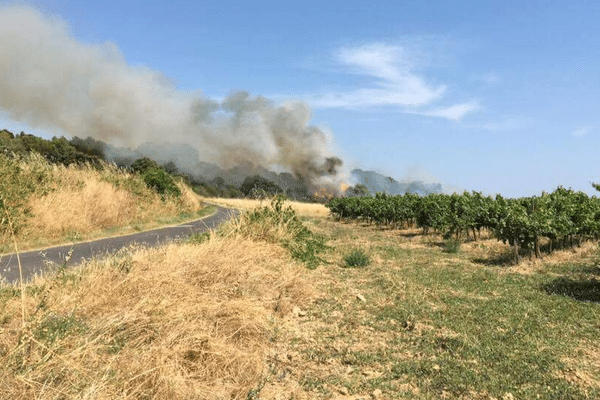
<point>565,218</point>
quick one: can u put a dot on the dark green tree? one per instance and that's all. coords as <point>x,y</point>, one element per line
<point>256,183</point>
<point>144,164</point>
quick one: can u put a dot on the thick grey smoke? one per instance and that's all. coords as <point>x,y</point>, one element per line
<point>50,80</point>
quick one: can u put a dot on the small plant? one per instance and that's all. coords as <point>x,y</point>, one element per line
<point>55,326</point>
<point>358,258</point>
<point>199,238</point>
<point>276,223</point>
<point>452,246</point>
<point>122,261</point>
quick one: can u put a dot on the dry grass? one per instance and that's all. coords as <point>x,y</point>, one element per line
<point>236,317</point>
<point>583,366</point>
<point>179,322</point>
<point>81,202</point>
<point>303,209</point>
<point>95,205</point>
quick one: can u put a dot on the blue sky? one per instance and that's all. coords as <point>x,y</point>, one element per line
<point>499,97</point>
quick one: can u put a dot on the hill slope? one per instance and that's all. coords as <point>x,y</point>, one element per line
<point>377,182</point>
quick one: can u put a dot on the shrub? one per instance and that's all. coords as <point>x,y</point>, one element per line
<point>160,181</point>
<point>144,164</point>
<point>357,258</point>
<point>452,246</point>
<point>279,224</point>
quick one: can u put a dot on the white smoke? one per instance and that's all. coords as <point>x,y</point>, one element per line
<point>50,80</point>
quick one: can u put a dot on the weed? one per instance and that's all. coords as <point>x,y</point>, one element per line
<point>452,246</point>
<point>54,327</point>
<point>122,261</point>
<point>199,238</point>
<point>8,292</point>
<point>357,258</point>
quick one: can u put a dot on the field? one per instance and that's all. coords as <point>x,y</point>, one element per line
<point>387,314</point>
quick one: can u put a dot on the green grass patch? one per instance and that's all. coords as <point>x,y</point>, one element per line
<point>54,327</point>
<point>437,326</point>
<point>452,246</point>
<point>357,258</point>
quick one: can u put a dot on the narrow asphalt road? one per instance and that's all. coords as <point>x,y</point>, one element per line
<point>39,261</point>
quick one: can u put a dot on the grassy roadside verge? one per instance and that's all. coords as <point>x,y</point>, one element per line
<point>42,204</point>
<point>75,237</point>
<point>182,321</point>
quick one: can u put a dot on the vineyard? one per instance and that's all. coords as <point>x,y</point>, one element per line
<point>534,225</point>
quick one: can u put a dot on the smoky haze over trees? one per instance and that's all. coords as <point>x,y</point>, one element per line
<point>207,179</point>
<point>50,80</point>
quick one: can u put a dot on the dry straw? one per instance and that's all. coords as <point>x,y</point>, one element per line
<point>54,202</point>
<point>304,209</point>
<point>12,231</point>
<point>178,322</point>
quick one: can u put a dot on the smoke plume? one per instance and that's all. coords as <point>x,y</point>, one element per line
<point>50,80</point>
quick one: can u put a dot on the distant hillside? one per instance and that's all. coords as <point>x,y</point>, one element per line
<point>377,182</point>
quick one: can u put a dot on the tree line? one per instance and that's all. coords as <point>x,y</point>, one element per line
<point>159,177</point>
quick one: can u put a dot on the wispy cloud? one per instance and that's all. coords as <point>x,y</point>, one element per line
<point>581,131</point>
<point>455,112</point>
<point>392,80</point>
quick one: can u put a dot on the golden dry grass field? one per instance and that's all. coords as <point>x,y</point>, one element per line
<point>56,204</point>
<point>237,314</point>
<point>304,209</point>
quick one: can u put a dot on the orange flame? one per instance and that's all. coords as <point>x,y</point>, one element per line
<point>325,194</point>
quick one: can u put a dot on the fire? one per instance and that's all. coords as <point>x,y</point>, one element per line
<point>325,194</point>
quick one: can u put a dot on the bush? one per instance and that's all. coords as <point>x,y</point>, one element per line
<point>358,258</point>
<point>160,181</point>
<point>452,246</point>
<point>144,164</point>
<point>155,177</point>
<point>279,224</point>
